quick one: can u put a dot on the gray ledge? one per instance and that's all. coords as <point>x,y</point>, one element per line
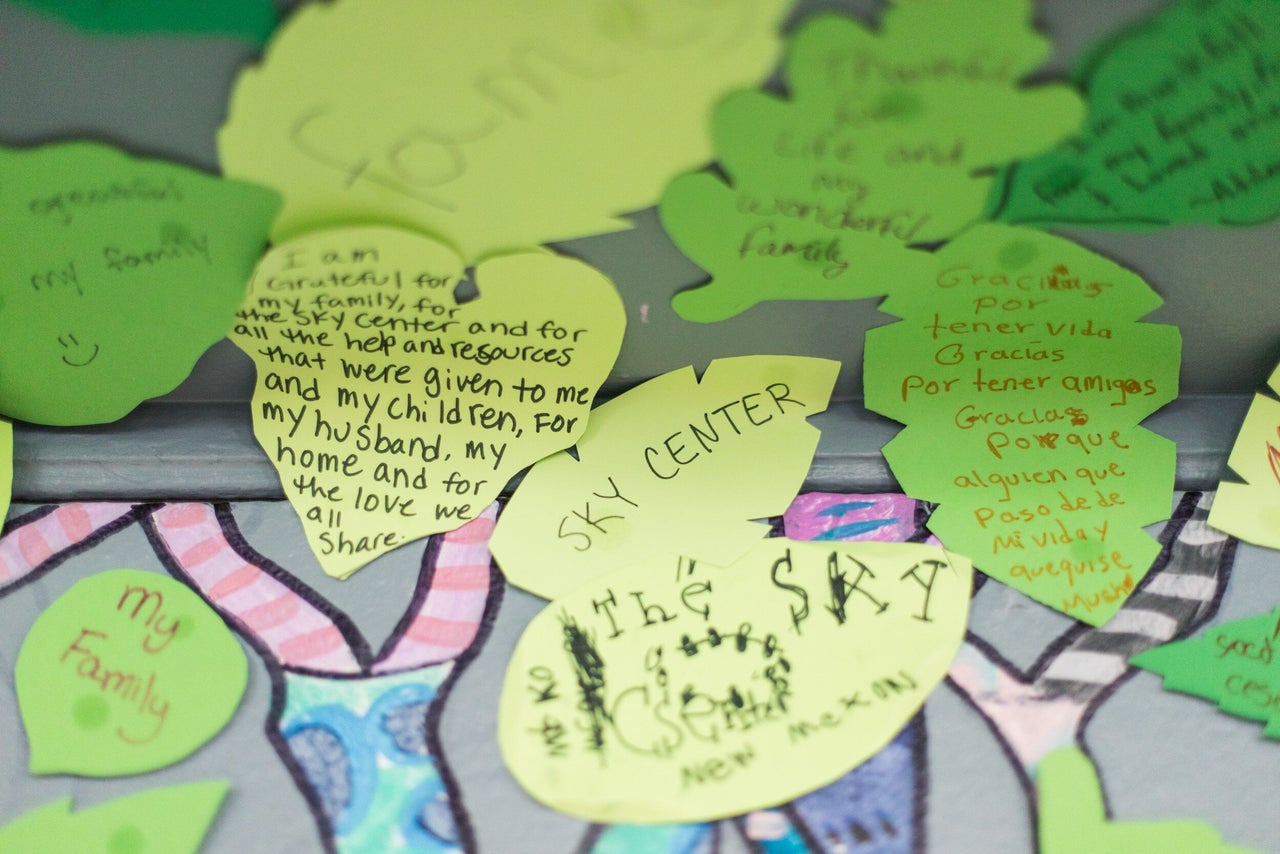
<point>181,450</point>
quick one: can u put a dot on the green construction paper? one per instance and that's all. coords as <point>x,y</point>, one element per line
<point>119,273</point>
<point>675,690</point>
<point>127,672</point>
<point>1251,510</point>
<point>1022,374</point>
<point>1183,127</point>
<point>494,125</point>
<point>168,820</point>
<point>1230,664</point>
<point>392,412</point>
<point>652,472</point>
<point>6,467</point>
<point>250,20</point>
<point>1073,817</point>
<point>887,140</point>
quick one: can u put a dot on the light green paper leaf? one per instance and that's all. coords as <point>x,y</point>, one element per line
<point>1073,817</point>
<point>1251,510</point>
<point>1022,375</point>
<point>880,145</point>
<point>1183,127</point>
<point>1231,664</point>
<point>119,272</point>
<point>6,467</point>
<point>390,411</point>
<point>496,126</point>
<point>172,820</point>
<point>675,466</point>
<point>736,687</point>
<point>251,20</point>
<point>127,672</point>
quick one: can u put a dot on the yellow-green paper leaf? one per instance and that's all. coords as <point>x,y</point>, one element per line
<point>128,671</point>
<point>677,690</point>
<point>494,125</point>
<point>881,144</point>
<point>1251,510</point>
<point>119,272</point>
<point>674,466</point>
<point>1022,373</point>
<point>1073,818</point>
<point>392,412</point>
<point>173,820</point>
<point>6,468</point>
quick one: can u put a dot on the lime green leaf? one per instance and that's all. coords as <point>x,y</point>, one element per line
<point>675,466</point>
<point>173,820</point>
<point>881,144</point>
<point>1073,818</point>
<point>119,272</point>
<point>493,125</point>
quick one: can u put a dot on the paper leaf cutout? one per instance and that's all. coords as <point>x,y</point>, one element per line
<point>737,687</point>
<point>1182,127</point>
<point>674,466</point>
<point>173,819</point>
<point>390,411</point>
<point>512,125</point>
<point>251,20</point>
<point>1022,373</point>
<point>127,672</point>
<point>1073,817</point>
<point>118,274</point>
<point>878,147</point>
<point>6,468</point>
<point>1230,664</point>
<point>1251,510</point>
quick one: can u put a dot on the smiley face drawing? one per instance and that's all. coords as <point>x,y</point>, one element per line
<point>78,355</point>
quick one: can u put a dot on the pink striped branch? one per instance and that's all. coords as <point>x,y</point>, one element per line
<point>294,631</point>
<point>452,610</point>
<point>26,548</point>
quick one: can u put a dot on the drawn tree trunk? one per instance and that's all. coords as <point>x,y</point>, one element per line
<point>357,731</point>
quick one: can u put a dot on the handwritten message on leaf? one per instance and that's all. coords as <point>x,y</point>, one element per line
<point>1022,374</point>
<point>119,272</point>
<point>128,671</point>
<point>1236,664</point>
<point>674,466</point>
<point>545,123</point>
<point>173,819</point>
<point>676,690</point>
<point>251,20</point>
<point>392,412</point>
<point>1251,510</point>
<point>876,148</point>
<point>1073,817</point>
<point>1183,127</point>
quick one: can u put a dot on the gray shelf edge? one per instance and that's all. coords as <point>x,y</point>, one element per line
<point>206,451</point>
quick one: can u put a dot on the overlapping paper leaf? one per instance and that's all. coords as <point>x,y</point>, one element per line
<point>733,687</point>
<point>881,144</point>
<point>1236,664</point>
<point>251,20</point>
<point>1183,127</point>
<point>1073,817</point>
<point>173,819</point>
<point>119,272</point>
<point>391,411</point>
<point>1022,374</point>
<point>494,125</point>
<point>675,466</point>
<point>1251,510</point>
